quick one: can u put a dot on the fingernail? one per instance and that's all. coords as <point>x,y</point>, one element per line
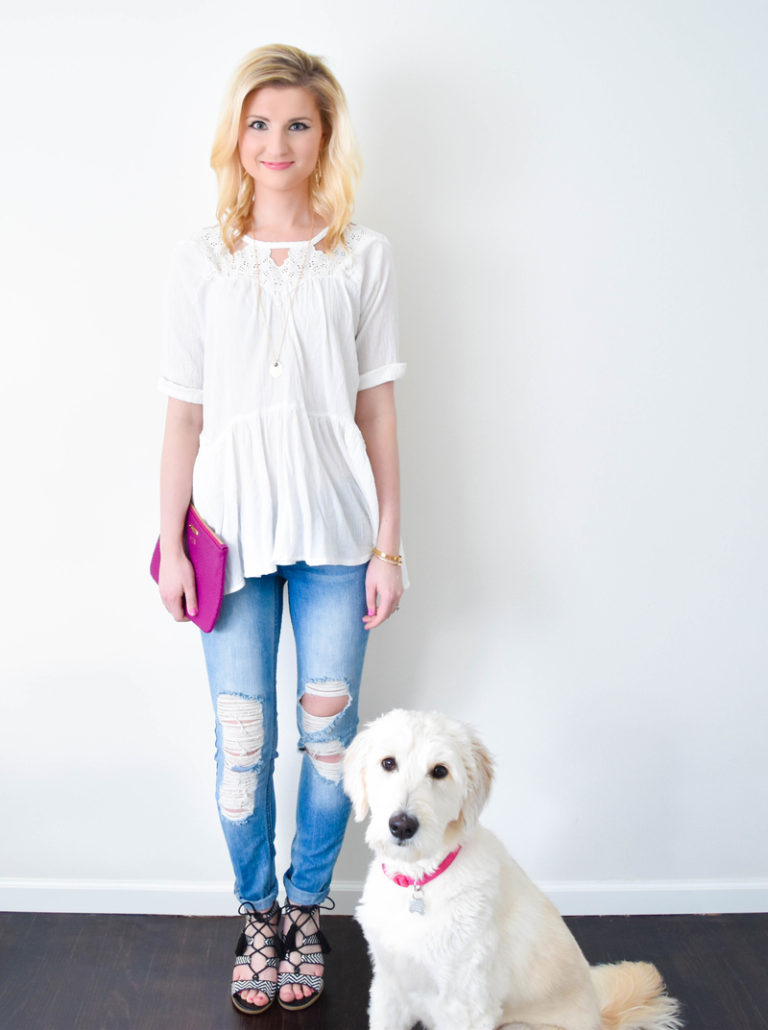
<point>193,612</point>
<point>371,611</point>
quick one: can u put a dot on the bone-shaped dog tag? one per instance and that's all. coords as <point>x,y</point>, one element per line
<point>417,901</point>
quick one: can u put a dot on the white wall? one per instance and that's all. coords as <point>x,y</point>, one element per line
<point>576,197</point>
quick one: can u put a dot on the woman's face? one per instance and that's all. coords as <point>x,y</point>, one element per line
<point>280,137</point>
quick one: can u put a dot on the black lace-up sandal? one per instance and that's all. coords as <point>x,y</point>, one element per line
<point>304,944</point>
<point>257,949</point>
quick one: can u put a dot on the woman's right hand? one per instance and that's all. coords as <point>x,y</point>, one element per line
<point>177,586</point>
<point>183,424</point>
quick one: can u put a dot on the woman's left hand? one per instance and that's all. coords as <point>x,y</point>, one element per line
<point>383,590</point>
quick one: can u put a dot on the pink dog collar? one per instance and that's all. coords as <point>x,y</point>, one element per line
<point>408,881</point>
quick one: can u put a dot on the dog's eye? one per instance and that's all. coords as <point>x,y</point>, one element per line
<point>388,764</point>
<point>439,772</point>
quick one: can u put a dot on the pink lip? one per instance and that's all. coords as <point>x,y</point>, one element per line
<point>277,166</point>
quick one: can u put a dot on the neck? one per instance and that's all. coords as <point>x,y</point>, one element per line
<point>283,216</point>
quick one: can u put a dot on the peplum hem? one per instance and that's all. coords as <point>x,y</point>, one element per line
<point>284,485</point>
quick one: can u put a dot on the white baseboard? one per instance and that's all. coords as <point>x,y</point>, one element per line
<point>139,897</point>
<point>658,897</point>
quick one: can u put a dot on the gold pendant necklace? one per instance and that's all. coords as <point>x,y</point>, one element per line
<point>276,365</point>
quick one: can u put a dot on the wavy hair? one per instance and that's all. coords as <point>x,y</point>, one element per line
<point>338,169</point>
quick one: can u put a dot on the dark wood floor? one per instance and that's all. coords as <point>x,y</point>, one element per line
<point>95,972</point>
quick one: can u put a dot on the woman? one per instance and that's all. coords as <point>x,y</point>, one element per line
<point>279,359</point>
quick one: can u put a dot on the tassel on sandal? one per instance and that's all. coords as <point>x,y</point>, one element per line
<point>304,944</point>
<point>253,958</point>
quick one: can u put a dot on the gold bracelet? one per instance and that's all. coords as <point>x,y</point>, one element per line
<point>390,559</point>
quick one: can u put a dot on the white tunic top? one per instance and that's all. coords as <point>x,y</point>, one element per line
<point>282,474</point>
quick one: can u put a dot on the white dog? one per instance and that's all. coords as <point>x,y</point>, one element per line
<point>460,938</point>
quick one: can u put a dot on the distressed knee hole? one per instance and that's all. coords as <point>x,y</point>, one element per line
<point>327,688</point>
<point>326,758</point>
<point>242,730</point>
<point>242,738</point>
<point>237,794</point>
<point>322,703</point>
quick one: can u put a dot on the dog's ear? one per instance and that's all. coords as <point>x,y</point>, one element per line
<point>354,774</point>
<point>479,766</point>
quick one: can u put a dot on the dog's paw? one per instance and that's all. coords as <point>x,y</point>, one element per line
<point>386,1010</point>
<point>387,1024</point>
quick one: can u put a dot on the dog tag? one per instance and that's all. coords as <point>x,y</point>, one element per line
<point>417,901</point>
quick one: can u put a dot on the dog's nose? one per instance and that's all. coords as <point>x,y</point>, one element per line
<point>403,826</point>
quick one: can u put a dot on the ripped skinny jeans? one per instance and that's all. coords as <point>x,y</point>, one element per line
<point>327,604</point>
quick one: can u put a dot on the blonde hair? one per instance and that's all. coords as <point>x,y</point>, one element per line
<point>338,169</point>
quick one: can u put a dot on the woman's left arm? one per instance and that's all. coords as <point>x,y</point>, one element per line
<point>377,421</point>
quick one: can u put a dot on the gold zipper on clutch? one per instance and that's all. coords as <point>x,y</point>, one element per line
<point>207,528</point>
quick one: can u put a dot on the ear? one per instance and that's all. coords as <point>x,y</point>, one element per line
<point>479,765</point>
<point>354,774</point>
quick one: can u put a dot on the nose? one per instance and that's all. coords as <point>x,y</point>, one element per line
<point>403,826</point>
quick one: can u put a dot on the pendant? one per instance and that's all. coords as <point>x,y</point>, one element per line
<point>275,369</point>
<point>417,901</point>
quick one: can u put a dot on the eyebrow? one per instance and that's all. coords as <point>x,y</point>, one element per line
<point>298,118</point>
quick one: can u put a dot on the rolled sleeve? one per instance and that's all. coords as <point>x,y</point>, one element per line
<point>181,393</point>
<point>385,374</point>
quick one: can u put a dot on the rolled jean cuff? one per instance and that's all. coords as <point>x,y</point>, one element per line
<point>299,897</point>
<point>261,904</point>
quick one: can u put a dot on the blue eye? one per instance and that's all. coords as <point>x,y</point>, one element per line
<point>257,124</point>
<point>298,126</point>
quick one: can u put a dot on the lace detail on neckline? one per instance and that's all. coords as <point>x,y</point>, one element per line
<point>275,278</point>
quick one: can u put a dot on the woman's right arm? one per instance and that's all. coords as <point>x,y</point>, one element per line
<point>183,424</point>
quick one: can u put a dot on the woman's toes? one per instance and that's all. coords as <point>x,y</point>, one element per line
<point>253,997</point>
<point>295,992</point>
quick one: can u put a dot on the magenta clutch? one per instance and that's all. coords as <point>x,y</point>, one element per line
<point>208,555</point>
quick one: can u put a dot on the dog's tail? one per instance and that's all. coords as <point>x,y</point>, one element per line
<point>633,997</point>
